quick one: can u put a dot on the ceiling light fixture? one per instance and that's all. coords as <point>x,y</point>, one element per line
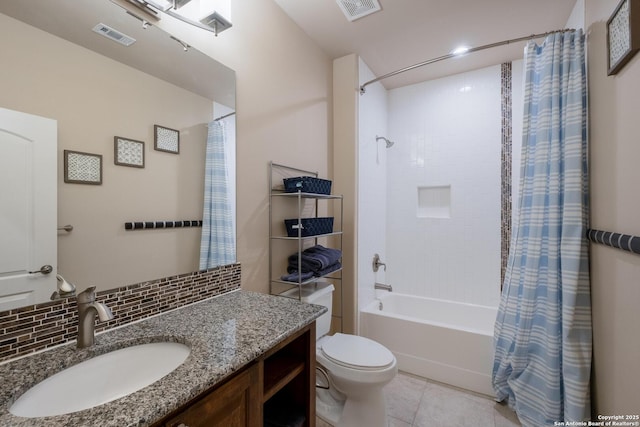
<point>210,15</point>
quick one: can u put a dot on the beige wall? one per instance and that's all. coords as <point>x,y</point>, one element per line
<point>614,178</point>
<point>283,113</point>
<point>94,99</point>
<point>345,162</point>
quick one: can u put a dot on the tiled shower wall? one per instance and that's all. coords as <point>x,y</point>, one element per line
<point>448,138</point>
<point>374,110</point>
<point>37,327</point>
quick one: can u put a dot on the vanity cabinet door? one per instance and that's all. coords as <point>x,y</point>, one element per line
<point>234,404</point>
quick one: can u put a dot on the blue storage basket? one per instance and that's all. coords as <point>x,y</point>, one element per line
<point>310,226</point>
<point>307,184</point>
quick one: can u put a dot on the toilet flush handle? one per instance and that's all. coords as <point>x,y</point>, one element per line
<point>326,377</point>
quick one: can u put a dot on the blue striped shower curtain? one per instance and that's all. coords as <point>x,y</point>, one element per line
<point>542,333</point>
<point>218,245</point>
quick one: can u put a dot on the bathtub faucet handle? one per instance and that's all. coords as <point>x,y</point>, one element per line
<point>377,263</point>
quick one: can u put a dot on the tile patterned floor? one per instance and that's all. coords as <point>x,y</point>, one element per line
<point>416,402</point>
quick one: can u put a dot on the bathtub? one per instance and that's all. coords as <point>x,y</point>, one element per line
<point>445,341</point>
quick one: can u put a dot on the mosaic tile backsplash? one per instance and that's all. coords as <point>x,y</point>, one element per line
<point>507,141</point>
<point>28,329</point>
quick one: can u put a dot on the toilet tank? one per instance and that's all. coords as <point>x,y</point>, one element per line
<point>320,294</point>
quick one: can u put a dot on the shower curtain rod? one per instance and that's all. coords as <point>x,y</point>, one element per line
<point>224,117</point>
<point>451,55</point>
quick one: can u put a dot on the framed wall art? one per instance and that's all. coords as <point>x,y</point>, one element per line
<point>166,139</point>
<point>82,168</point>
<point>623,35</point>
<point>128,152</point>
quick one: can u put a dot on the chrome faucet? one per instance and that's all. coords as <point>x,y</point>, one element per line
<point>377,263</point>
<point>88,308</point>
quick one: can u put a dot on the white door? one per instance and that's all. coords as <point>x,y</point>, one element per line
<point>28,208</point>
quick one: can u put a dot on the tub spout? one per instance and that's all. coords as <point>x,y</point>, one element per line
<point>383,287</point>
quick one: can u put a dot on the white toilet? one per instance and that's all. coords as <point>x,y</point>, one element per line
<point>357,367</point>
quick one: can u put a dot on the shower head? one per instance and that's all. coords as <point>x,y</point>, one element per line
<point>389,143</point>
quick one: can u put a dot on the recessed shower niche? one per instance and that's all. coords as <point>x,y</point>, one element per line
<point>434,202</point>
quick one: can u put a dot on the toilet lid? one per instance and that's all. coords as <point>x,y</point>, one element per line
<point>358,352</point>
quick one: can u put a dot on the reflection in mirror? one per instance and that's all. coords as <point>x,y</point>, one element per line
<point>97,89</point>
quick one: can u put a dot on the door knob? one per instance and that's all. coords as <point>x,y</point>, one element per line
<point>45,269</point>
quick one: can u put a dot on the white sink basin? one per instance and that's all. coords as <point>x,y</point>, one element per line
<point>101,379</point>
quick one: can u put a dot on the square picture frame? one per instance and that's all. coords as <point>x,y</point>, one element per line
<point>623,35</point>
<point>166,139</point>
<point>82,168</point>
<point>128,152</point>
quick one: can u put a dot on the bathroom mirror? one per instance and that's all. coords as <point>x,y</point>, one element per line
<point>98,90</point>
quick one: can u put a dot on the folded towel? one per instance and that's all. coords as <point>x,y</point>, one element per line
<point>329,269</point>
<point>315,258</point>
<point>295,277</point>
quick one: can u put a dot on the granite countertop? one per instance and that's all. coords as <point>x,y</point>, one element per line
<point>224,334</point>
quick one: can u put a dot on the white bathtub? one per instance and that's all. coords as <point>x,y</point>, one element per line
<point>442,340</point>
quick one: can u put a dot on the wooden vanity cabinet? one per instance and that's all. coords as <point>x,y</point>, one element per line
<point>283,374</point>
<point>234,404</point>
<point>289,376</point>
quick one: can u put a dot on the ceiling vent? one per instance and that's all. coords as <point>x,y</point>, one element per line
<point>356,9</point>
<point>114,35</point>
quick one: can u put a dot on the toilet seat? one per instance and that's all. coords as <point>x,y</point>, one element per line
<point>355,352</point>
